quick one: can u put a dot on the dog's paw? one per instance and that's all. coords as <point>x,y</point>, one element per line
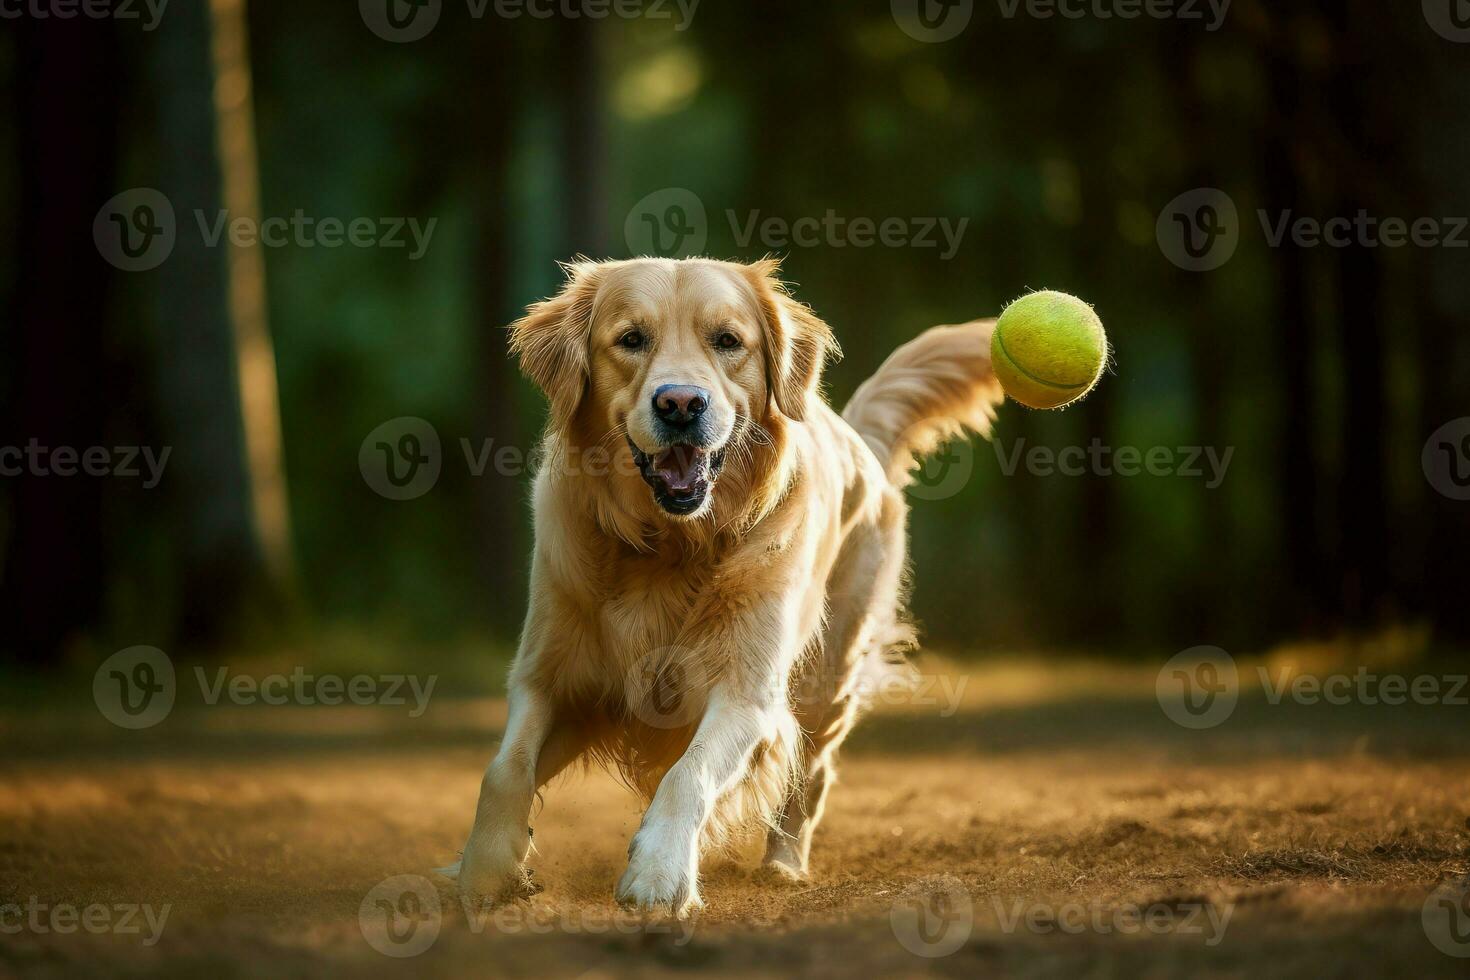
<point>661,873</point>
<point>779,871</point>
<point>499,887</point>
<point>492,872</point>
<point>783,860</point>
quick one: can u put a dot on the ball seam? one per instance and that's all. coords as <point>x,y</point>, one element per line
<point>1059,385</point>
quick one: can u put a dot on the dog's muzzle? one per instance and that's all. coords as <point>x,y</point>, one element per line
<point>680,476</point>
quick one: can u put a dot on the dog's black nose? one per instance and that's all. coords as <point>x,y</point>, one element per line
<point>680,405</point>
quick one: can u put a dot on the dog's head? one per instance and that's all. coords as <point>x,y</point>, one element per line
<point>680,360</point>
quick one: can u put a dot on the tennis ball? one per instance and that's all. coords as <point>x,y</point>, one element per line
<point>1048,349</point>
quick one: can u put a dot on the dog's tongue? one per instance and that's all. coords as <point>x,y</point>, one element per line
<point>681,467</point>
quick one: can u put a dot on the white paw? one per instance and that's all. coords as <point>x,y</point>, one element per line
<point>493,868</point>
<point>663,872</point>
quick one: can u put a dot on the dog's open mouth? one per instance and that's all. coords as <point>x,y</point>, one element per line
<point>680,476</point>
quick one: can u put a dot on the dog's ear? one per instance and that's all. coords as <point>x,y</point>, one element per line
<point>797,342</point>
<point>551,340</point>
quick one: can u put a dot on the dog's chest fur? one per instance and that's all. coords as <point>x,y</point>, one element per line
<point>625,610</point>
<point>649,600</point>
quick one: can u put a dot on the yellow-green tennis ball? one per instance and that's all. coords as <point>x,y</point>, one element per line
<point>1048,349</point>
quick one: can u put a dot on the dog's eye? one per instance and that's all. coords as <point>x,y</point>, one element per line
<point>632,340</point>
<point>727,341</point>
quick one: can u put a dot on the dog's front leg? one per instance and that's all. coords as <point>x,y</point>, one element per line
<point>663,859</point>
<point>534,749</point>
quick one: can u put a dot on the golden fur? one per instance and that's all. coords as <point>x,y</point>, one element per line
<point>712,659</point>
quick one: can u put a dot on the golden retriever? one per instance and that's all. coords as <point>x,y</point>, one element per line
<point>719,559</point>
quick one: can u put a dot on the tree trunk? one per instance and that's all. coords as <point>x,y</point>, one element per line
<point>255,357</point>
<point>1297,481</point>
<point>583,142</point>
<point>220,562</point>
<point>67,112</point>
<point>1363,501</point>
<point>1442,308</point>
<point>500,507</point>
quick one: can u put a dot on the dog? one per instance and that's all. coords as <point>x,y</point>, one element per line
<point>719,559</point>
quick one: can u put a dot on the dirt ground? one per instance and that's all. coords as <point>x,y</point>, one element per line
<point>1052,822</point>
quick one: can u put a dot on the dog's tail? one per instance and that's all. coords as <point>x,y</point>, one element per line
<point>932,389</point>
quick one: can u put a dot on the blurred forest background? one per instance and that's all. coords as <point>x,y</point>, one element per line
<point>529,140</point>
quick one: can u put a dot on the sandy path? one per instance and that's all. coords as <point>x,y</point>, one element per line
<point>1028,824</point>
